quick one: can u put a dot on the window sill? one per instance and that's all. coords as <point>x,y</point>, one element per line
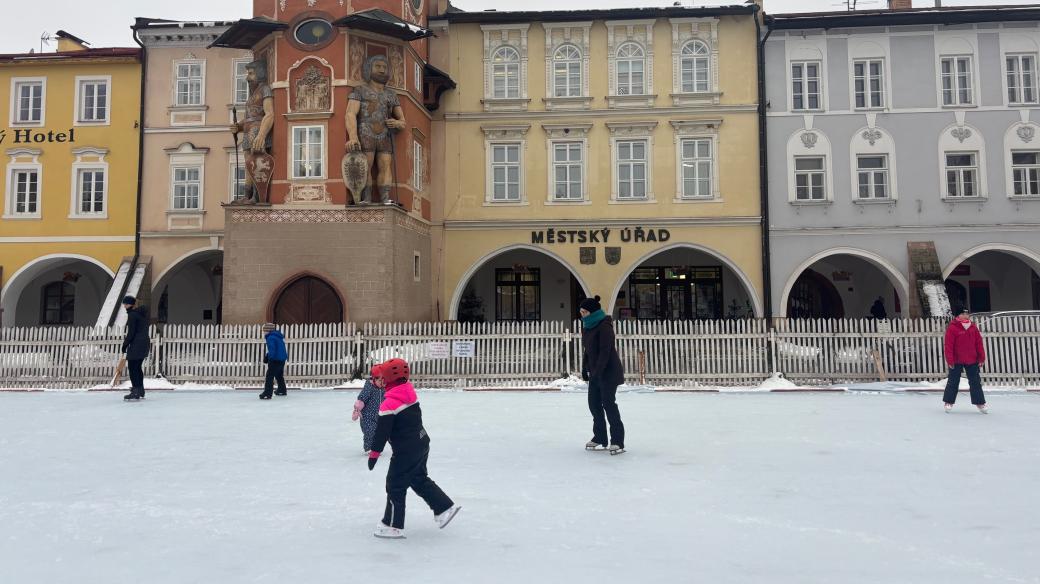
<point>27,124</point>
<point>700,98</point>
<point>88,217</point>
<point>554,202</point>
<point>522,203</point>
<point>23,217</point>
<point>965,199</point>
<point>580,102</point>
<point>960,106</point>
<point>631,101</point>
<point>84,124</point>
<point>871,109</point>
<point>186,212</point>
<point>1016,104</point>
<point>505,104</point>
<point>188,108</point>
<point>810,203</point>
<point>295,116</point>
<point>1024,197</point>
<point>888,201</point>
<point>696,200</point>
<point>646,201</point>
<point>807,111</point>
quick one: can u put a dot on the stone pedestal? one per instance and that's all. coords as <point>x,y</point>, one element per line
<point>377,258</point>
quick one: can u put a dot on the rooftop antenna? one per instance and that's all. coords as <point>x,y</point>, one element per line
<point>45,39</point>
<point>852,5</point>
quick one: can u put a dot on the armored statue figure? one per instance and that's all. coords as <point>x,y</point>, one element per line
<point>373,112</point>
<point>255,143</point>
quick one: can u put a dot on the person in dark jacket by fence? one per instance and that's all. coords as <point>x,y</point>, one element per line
<point>275,356</point>
<point>136,345</point>
<point>964,351</point>
<point>602,368</point>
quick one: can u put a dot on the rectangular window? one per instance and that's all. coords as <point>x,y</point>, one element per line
<point>187,185</point>
<point>693,73</point>
<point>805,85</point>
<point>962,174</point>
<point>696,168</point>
<point>505,172</point>
<point>630,77</point>
<point>417,167</point>
<point>631,169</point>
<point>189,84</point>
<point>506,80</point>
<point>26,192</point>
<point>90,191</point>
<point>236,178</point>
<point>1025,167</point>
<point>1021,79</point>
<point>567,78</point>
<point>810,178</point>
<point>241,87</point>
<point>93,100</point>
<point>419,78</point>
<point>518,294</point>
<point>416,266</point>
<point>869,83</point>
<point>28,102</point>
<point>308,149</point>
<point>873,176</point>
<point>567,171</point>
<point>955,77</point>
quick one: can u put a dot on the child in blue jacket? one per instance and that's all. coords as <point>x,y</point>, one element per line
<point>367,407</point>
<point>275,357</point>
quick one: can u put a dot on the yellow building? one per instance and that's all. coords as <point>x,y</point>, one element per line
<point>598,152</point>
<point>70,144</point>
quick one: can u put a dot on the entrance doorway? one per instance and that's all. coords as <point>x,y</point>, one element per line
<point>308,300</point>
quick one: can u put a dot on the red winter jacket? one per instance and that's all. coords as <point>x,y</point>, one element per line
<point>964,345</point>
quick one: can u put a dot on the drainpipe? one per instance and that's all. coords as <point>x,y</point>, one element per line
<point>763,172</point>
<point>140,145</point>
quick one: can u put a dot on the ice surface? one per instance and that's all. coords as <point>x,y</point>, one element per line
<point>723,488</point>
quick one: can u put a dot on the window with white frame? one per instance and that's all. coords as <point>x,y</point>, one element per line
<point>631,169</point>
<point>419,78</point>
<point>90,191</point>
<point>868,79</point>
<point>567,171</point>
<point>189,83</point>
<point>695,67</point>
<point>1025,170</point>
<point>567,71</point>
<point>236,177</point>
<point>241,87</point>
<point>28,102</point>
<point>805,85</point>
<point>417,166</point>
<point>696,160</point>
<point>1021,79</point>
<point>24,188</point>
<point>810,178</point>
<point>955,75</point>
<point>631,66</point>
<point>187,187</point>
<point>505,171</point>
<point>308,144</point>
<point>93,97</point>
<point>505,73</point>
<point>962,174</point>
<point>872,172</point>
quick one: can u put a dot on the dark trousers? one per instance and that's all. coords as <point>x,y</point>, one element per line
<point>136,373</point>
<point>603,405</point>
<point>974,382</point>
<point>275,371</point>
<point>410,472</point>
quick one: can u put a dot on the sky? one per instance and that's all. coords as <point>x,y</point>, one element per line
<point>107,23</point>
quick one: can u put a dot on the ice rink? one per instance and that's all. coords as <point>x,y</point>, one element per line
<point>218,487</point>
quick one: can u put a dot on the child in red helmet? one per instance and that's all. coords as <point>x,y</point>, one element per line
<point>366,408</point>
<point>400,423</point>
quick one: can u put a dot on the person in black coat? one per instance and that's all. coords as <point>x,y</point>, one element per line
<point>602,368</point>
<point>135,345</point>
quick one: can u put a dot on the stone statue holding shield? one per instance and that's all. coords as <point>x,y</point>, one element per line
<point>373,113</point>
<point>255,144</point>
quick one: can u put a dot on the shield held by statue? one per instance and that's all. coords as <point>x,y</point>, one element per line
<point>355,174</point>
<point>260,167</point>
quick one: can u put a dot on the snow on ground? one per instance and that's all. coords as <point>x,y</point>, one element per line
<point>743,488</point>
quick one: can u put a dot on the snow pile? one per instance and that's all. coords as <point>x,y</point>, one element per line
<point>570,383</point>
<point>352,384</point>
<point>776,381</point>
<point>938,300</point>
<point>149,383</point>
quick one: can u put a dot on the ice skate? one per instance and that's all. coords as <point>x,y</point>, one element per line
<point>593,445</point>
<point>947,407</point>
<point>445,518</point>
<point>280,392</point>
<point>132,396</point>
<point>265,395</point>
<point>983,408</point>
<point>387,532</point>
<point>615,449</point>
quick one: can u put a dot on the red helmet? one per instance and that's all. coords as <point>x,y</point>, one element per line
<point>377,372</point>
<point>395,370</point>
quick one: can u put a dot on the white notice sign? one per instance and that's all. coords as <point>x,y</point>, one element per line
<point>465,349</point>
<point>438,349</point>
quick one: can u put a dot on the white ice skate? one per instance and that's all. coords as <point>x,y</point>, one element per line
<point>387,532</point>
<point>947,407</point>
<point>615,449</point>
<point>445,518</point>
<point>591,445</point>
<point>983,408</point>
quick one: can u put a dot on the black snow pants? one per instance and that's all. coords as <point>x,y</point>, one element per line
<point>136,373</point>
<point>974,383</point>
<point>409,470</point>
<point>275,370</point>
<point>603,400</point>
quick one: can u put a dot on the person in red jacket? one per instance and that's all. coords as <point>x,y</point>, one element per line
<point>964,351</point>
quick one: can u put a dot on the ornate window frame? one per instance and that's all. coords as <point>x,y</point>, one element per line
<point>555,133</point>
<point>810,142</point>
<point>558,35</point>
<point>871,48</point>
<point>802,50</point>
<point>873,141</point>
<point>511,134</point>
<point>620,32</point>
<point>960,137</point>
<point>958,45</point>
<point>96,161</point>
<point>628,131</point>
<point>184,156</point>
<point>23,159</point>
<point>685,31</point>
<point>497,36</point>
<point>696,130</point>
<point>1020,136</point>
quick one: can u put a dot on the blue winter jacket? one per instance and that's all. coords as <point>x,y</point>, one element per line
<point>276,346</point>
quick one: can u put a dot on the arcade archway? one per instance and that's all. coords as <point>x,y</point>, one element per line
<point>189,291</point>
<point>845,283</point>
<point>56,290</point>
<point>993,278</point>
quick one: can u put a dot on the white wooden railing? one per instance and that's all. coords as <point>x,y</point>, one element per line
<point>450,354</point>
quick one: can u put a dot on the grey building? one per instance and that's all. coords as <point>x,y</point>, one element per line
<point>898,130</point>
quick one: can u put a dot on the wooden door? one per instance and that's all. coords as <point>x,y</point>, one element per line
<point>308,300</point>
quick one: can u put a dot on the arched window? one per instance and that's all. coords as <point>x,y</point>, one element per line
<point>695,67</point>
<point>505,73</point>
<point>567,72</point>
<point>631,64</point>
<point>58,303</point>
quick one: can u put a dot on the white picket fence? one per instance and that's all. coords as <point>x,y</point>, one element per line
<point>451,354</point>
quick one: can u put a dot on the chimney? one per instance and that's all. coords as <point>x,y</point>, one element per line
<point>70,42</point>
<point>900,4</point>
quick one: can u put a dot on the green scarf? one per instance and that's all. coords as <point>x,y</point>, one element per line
<point>593,319</point>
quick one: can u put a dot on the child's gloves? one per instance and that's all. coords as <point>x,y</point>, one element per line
<point>372,463</point>
<point>354,417</point>
<point>358,406</point>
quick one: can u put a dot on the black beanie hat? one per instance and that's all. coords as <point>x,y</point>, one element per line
<point>129,300</point>
<point>591,304</point>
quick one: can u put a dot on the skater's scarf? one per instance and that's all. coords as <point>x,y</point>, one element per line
<point>593,319</point>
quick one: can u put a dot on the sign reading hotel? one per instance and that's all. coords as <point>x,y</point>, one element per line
<point>603,235</point>
<point>28,136</point>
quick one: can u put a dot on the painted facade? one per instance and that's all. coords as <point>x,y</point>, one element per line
<point>606,152</point>
<point>70,143</point>
<point>888,128</point>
